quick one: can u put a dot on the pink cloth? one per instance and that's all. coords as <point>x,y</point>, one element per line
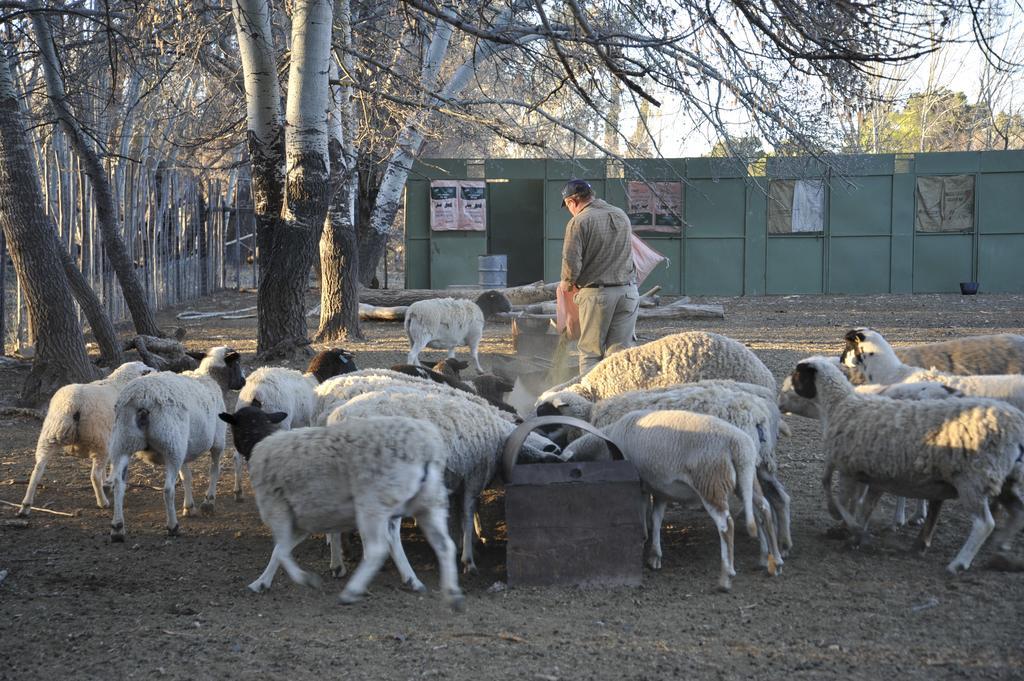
<point>645,258</point>
<point>567,315</point>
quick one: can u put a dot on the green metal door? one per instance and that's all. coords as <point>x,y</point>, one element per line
<point>515,227</point>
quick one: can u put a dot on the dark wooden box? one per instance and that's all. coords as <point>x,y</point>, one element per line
<point>574,524</point>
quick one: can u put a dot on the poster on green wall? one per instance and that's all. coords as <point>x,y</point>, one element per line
<point>444,205</point>
<point>458,205</point>
<point>655,206</point>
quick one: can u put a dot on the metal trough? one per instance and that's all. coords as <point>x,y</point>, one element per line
<point>574,523</point>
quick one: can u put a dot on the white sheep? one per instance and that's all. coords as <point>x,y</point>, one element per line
<point>449,323</point>
<point>171,419</point>
<point>930,449</point>
<point>475,435</point>
<point>869,351</point>
<point>683,456</point>
<point>1001,353</point>
<point>363,474</point>
<point>279,389</point>
<point>685,357</point>
<point>791,403</point>
<point>79,420</point>
<point>333,393</point>
<point>743,405</point>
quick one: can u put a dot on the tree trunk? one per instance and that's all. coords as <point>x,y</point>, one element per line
<point>339,265</point>
<point>106,215</point>
<point>339,244</point>
<point>60,347</point>
<point>265,138</point>
<point>99,320</point>
<point>283,286</point>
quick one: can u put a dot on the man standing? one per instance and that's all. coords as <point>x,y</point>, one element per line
<point>597,265</point>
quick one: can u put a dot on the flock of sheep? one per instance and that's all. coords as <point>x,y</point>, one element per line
<point>338,449</point>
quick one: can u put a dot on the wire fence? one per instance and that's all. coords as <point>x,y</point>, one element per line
<point>188,237</point>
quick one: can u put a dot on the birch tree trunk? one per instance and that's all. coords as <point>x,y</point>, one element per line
<point>263,113</point>
<point>32,243</point>
<point>339,245</point>
<point>285,273</point>
<point>107,218</point>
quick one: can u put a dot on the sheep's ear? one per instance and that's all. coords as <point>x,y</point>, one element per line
<point>854,336</point>
<point>547,409</point>
<point>231,357</point>
<point>459,364</point>
<point>803,380</point>
<point>197,356</point>
<point>277,416</point>
<point>226,417</point>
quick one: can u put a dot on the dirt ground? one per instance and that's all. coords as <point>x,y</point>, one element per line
<point>73,605</point>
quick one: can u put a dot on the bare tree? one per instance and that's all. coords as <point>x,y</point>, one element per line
<point>107,216</point>
<point>291,206</point>
<point>339,245</point>
<point>60,347</point>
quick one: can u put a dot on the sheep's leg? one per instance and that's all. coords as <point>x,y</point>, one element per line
<point>474,351</point>
<point>844,513</point>
<point>266,578</point>
<point>189,509</point>
<point>468,510</point>
<point>173,469</point>
<point>209,504</point>
<point>1005,535</point>
<point>434,522</point>
<point>899,518</point>
<point>657,515</point>
<point>239,471</point>
<point>43,453</point>
<point>924,538</point>
<point>862,512</point>
<point>405,571</point>
<point>373,528</point>
<point>96,477</point>
<point>723,523</point>
<point>416,346</point>
<point>982,525</point>
<point>780,502</point>
<point>771,556</point>
<point>285,541</point>
<point>118,480</point>
<point>337,555</point>
<point>920,514</point>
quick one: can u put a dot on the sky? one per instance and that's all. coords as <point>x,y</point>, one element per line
<point>957,67</point>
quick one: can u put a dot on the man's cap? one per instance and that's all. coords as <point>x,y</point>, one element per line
<point>574,187</point>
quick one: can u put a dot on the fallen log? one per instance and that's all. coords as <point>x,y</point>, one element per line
<point>377,313</point>
<point>163,354</point>
<point>517,295</point>
<point>675,310</point>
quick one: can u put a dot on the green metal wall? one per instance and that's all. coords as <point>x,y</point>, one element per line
<point>868,245</point>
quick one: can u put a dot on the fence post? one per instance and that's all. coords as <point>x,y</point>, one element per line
<point>3,294</point>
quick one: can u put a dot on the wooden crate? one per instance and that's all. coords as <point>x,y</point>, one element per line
<point>574,524</point>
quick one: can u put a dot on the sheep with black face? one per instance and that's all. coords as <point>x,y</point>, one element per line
<point>969,449</point>
<point>363,474</point>
<point>278,389</point>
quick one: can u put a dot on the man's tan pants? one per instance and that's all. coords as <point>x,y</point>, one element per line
<point>607,322</point>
